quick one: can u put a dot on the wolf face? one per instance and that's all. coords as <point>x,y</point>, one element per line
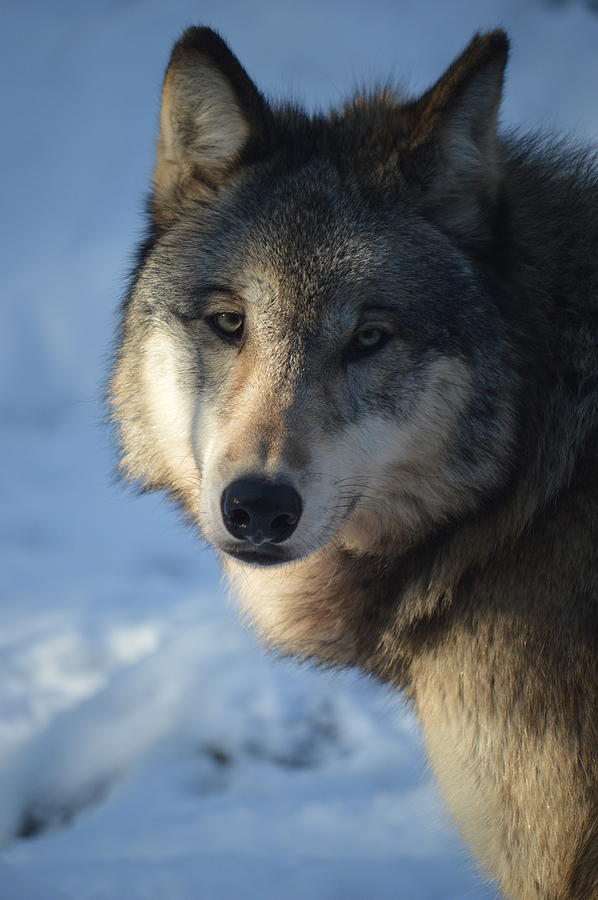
<point>309,353</point>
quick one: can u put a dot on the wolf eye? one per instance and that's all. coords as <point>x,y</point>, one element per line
<point>367,341</point>
<point>228,325</point>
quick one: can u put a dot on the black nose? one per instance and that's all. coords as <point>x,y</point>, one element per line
<point>257,511</point>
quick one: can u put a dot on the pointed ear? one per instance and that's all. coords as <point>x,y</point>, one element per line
<point>211,116</point>
<point>452,154</point>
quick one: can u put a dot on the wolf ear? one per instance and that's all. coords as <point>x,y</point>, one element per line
<point>452,153</point>
<point>211,114</point>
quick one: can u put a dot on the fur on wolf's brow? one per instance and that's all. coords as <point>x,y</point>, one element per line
<point>205,291</point>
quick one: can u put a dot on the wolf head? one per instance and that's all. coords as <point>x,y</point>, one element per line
<point>313,348</point>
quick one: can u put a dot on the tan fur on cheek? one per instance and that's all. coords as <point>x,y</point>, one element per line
<point>409,482</point>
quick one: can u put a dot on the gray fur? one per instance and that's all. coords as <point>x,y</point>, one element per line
<point>450,526</point>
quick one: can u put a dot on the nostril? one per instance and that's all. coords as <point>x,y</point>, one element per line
<point>282,522</point>
<point>240,518</point>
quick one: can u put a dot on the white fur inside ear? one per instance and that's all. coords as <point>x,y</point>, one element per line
<point>201,122</point>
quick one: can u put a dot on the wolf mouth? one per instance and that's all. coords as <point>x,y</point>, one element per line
<point>268,557</point>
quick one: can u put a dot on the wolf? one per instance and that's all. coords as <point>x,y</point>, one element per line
<point>359,349</point>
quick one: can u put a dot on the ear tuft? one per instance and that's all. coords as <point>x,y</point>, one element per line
<point>210,112</point>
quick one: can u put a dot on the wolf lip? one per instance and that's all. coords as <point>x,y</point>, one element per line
<point>258,557</point>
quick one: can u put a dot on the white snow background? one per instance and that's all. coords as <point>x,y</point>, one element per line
<point>147,743</point>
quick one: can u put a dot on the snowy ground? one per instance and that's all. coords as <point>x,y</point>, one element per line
<point>147,745</point>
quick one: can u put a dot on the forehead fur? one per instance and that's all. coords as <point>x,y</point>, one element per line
<point>308,241</point>
<point>362,140</point>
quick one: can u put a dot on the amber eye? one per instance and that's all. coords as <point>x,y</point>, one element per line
<point>367,341</point>
<point>228,325</point>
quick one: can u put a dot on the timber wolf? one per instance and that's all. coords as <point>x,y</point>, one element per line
<point>360,350</point>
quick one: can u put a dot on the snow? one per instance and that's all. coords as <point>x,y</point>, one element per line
<point>147,743</point>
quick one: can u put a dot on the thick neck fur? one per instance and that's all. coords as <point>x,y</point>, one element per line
<point>550,276</point>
